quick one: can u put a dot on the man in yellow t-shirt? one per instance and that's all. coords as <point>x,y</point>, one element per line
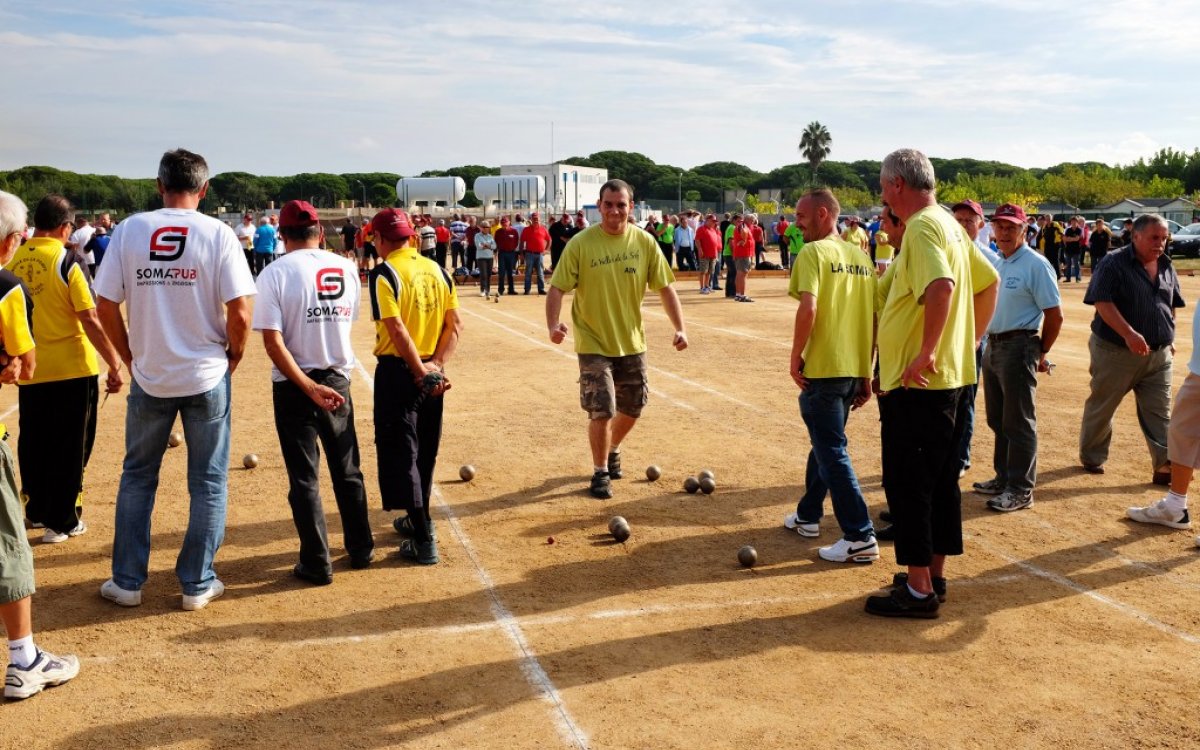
<point>59,403</point>
<point>834,282</point>
<point>942,295</point>
<point>856,235</point>
<point>415,308</point>
<point>609,265</point>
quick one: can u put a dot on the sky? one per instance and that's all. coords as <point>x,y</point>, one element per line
<point>277,88</point>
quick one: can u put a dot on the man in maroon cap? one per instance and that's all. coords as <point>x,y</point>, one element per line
<point>307,303</point>
<point>415,308</point>
<point>1028,302</point>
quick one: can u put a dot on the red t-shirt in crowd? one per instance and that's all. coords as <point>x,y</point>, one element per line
<point>443,234</point>
<point>758,233</point>
<point>743,243</point>
<point>709,241</point>
<point>535,238</point>
<point>506,239</point>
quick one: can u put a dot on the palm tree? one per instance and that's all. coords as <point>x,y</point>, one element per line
<point>814,144</point>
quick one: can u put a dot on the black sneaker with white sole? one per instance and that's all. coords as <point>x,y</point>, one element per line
<point>601,487</point>
<point>900,602</point>
<point>614,466</point>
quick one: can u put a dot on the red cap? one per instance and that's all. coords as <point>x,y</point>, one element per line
<point>392,224</point>
<point>298,214</point>
<point>975,207</point>
<point>1010,212</point>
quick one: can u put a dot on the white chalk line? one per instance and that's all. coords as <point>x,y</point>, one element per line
<point>9,410</point>
<point>535,674</point>
<point>1079,588</point>
<point>729,331</point>
<point>659,370</point>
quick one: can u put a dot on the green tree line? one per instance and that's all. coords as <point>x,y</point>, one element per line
<point>1168,173</point>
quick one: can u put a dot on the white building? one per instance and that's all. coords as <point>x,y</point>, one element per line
<point>568,187</point>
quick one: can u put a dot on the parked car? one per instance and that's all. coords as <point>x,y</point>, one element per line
<point>1185,242</point>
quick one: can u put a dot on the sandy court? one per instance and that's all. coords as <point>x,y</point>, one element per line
<point>1066,625</point>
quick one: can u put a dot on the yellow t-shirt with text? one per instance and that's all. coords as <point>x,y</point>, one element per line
<point>609,274</point>
<point>60,288</point>
<point>934,247</point>
<point>843,281</point>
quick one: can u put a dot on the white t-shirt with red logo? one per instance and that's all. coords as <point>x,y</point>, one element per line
<point>175,269</point>
<point>312,298</point>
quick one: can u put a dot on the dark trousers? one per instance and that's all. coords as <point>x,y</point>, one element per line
<point>408,430</point>
<point>920,472</point>
<point>783,253</point>
<point>556,252</point>
<point>668,250</point>
<point>1010,386</point>
<point>966,413</point>
<point>470,258</point>
<point>730,277</point>
<point>685,258</point>
<point>485,275</point>
<point>58,429</point>
<point>261,261</point>
<point>439,253</point>
<point>1054,255</point>
<point>300,423</point>
<point>507,266</point>
<point>458,254</point>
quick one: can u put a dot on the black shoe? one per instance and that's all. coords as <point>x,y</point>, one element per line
<point>886,534</point>
<point>601,487</point>
<point>541,293</point>
<point>424,553</point>
<point>403,526</point>
<point>715,288</point>
<point>939,583</point>
<point>360,562</point>
<point>614,466</point>
<point>886,516</point>
<point>317,579</point>
<point>899,602</point>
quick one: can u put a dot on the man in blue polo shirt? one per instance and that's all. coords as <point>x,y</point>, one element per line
<point>1028,300</point>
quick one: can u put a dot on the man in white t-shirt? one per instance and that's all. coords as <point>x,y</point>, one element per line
<point>245,234</point>
<point>307,302</point>
<point>184,282</point>
<point>80,238</point>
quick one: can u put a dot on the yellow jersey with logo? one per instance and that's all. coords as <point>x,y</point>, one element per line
<point>842,279</point>
<point>416,290</point>
<point>60,288</point>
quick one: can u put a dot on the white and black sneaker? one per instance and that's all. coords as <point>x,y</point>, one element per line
<point>47,670</point>
<point>844,550</point>
<point>1162,515</point>
<point>1008,501</point>
<point>992,486</point>
<point>810,530</point>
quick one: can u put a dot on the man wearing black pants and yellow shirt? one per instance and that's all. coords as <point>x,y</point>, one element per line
<point>415,308</point>
<point>59,403</point>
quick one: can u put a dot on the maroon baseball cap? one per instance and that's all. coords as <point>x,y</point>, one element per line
<point>1010,212</point>
<point>975,207</point>
<point>298,214</point>
<point>392,224</point>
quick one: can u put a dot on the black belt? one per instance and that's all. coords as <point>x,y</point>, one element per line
<point>1005,335</point>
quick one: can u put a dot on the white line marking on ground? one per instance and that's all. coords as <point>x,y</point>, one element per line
<point>561,353</point>
<point>1066,582</point>
<point>10,410</point>
<point>535,675</point>
<point>730,331</point>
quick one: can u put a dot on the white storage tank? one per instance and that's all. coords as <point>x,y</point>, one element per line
<point>430,190</point>
<point>524,190</point>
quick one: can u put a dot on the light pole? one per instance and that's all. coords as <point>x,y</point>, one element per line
<point>679,195</point>
<point>364,200</point>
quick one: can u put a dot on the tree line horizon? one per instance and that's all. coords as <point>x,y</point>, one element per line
<point>1169,173</point>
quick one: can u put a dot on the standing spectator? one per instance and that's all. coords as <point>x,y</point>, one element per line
<point>664,232</point>
<point>96,247</point>
<point>507,241</point>
<point>1028,300</point>
<point>741,244</point>
<point>1049,242</point>
<point>485,251</point>
<point>708,248</point>
<point>458,243</point>
<point>1099,242</point>
<point>428,236</point>
<point>415,309</point>
<point>183,343</point>
<point>795,241</point>
<point>245,234</point>
<point>472,230</point>
<point>760,245</point>
<point>1073,248</point>
<point>781,228</point>
<point>80,238</point>
<point>264,245</point>
<point>940,299</point>
<point>731,289</point>
<point>370,254</point>
<point>534,242</point>
<point>560,232</point>
<point>1126,232</point>
<point>442,238</point>
<point>609,268</point>
<point>310,384</point>
<point>1135,291</point>
<point>832,344</point>
<point>581,220</point>
<point>59,401</point>
<point>685,241</point>
<point>856,235</point>
<point>30,669</point>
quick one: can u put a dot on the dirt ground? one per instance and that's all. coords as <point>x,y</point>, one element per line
<point>1066,626</point>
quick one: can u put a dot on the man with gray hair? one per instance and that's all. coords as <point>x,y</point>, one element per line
<point>184,282</point>
<point>941,297</point>
<point>30,669</point>
<point>1135,292</point>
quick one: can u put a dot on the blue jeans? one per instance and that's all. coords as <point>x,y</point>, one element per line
<point>148,422</point>
<point>507,264</point>
<point>825,407</point>
<point>535,264</point>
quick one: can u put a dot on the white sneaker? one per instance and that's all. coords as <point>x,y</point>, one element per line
<point>1008,501</point>
<point>47,670</point>
<point>1159,513</point>
<point>114,593</point>
<point>53,537</point>
<point>200,601</point>
<point>810,530</point>
<point>844,550</point>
